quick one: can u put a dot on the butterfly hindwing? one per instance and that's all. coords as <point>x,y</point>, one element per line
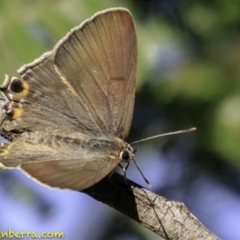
<point>41,100</point>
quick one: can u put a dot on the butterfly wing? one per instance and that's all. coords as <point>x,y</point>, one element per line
<point>78,87</point>
<point>99,61</point>
<point>57,161</point>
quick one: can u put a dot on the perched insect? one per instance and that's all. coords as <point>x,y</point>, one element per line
<point>67,116</point>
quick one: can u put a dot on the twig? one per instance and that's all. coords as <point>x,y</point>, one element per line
<point>169,219</point>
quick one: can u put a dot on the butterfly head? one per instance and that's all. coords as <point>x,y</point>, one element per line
<point>127,153</point>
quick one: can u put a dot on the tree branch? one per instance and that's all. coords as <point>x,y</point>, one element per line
<point>169,219</point>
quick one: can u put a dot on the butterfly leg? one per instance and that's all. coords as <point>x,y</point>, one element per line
<point>124,170</point>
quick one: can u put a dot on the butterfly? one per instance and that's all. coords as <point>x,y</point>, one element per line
<point>68,114</point>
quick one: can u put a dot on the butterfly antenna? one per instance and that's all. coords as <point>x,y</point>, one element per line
<point>145,179</point>
<point>165,134</point>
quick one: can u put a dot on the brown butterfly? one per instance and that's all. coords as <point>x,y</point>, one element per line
<point>67,114</point>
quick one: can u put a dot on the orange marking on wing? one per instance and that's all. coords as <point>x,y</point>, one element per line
<point>25,90</point>
<point>17,112</point>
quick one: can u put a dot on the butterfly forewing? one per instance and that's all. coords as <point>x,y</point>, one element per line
<point>70,104</point>
<point>103,72</point>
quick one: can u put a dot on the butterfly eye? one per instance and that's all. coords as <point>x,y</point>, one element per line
<point>124,155</point>
<point>127,153</point>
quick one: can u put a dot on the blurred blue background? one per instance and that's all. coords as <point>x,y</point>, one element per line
<point>188,75</point>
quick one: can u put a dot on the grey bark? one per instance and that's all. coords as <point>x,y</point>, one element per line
<point>169,219</point>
